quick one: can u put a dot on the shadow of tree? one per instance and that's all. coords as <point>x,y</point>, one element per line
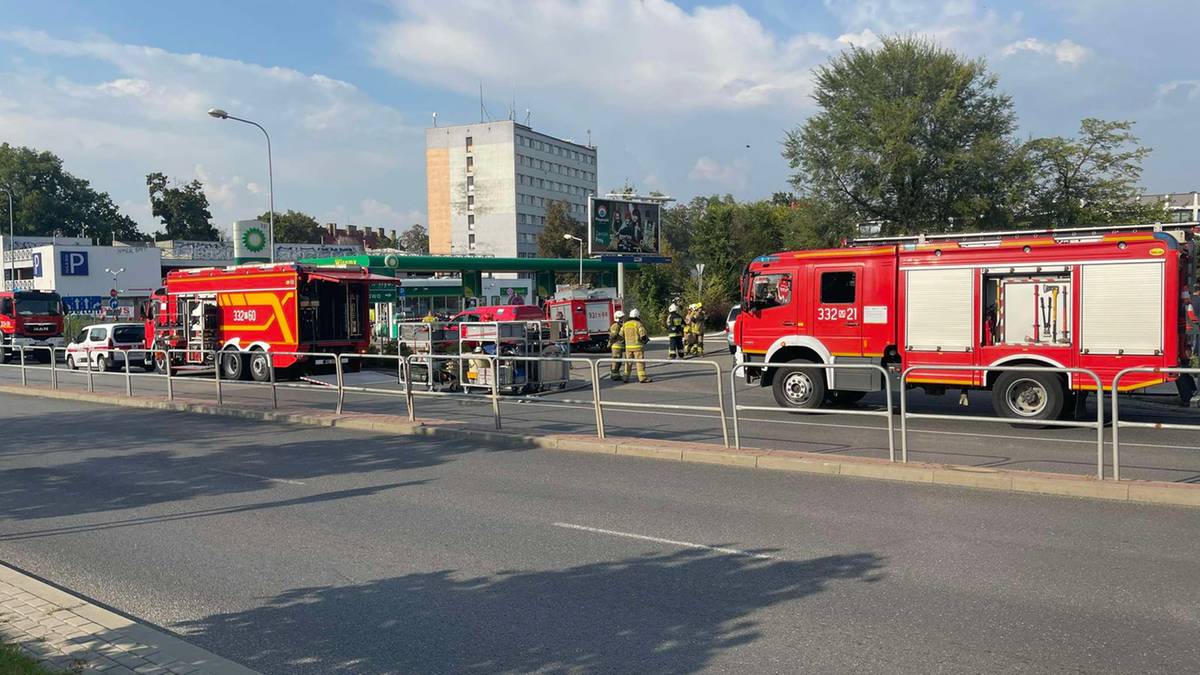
<point>668,613</point>
<point>107,460</point>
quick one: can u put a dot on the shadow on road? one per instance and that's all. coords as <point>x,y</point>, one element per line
<point>668,613</point>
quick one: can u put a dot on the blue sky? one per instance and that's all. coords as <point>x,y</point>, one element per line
<point>673,93</point>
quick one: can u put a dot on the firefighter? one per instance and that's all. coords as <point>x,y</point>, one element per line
<point>636,337</point>
<point>698,328</point>
<point>616,344</point>
<point>689,337</point>
<point>675,326</point>
<point>429,317</point>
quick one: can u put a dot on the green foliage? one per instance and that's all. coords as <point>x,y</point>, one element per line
<point>414,240</point>
<point>909,134</point>
<point>15,662</point>
<point>294,227</point>
<point>183,209</point>
<point>1090,179</point>
<point>552,243</point>
<point>47,199</point>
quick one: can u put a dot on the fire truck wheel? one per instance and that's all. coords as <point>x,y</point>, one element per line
<point>1031,396</point>
<point>260,367</point>
<point>799,387</point>
<point>233,365</point>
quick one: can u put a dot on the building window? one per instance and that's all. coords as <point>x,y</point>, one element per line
<point>470,201</point>
<point>471,221</point>
<point>471,240</point>
<point>470,163</point>
<point>470,143</point>
<point>470,181</point>
<point>837,288</point>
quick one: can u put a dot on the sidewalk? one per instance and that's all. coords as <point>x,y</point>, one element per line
<point>71,635</point>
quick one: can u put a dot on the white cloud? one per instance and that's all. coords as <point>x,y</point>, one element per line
<point>376,213</point>
<point>1063,51</point>
<point>732,175</point>
<point>633,54</point>
<point>141,109</point>
<point>1178,91</point>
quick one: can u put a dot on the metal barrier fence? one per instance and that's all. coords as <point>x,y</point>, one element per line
<point>887,388</point>
<point>1118,423</point>
<point>1098,425</point>
<point>631,364</point>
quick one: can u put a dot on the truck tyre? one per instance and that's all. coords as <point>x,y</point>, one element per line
<point>233,365</point>
<point>1027,395</point>
<point>799,387</point>
<point>260,366</point>
<point>838,397</point>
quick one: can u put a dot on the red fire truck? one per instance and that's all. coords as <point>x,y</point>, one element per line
<point>247,312</point>
<point>1104,299</point>
<point>30,319</point>
<point>588,313</point>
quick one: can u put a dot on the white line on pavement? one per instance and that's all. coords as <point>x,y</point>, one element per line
<point>254,475</point>
<point>672,542</point>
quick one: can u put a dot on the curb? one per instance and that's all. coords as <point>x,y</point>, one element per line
<point>1028,482</point>
<point>138,638</point>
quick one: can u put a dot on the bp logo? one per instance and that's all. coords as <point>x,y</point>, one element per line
<point>602,211</point>
<point>254,239</point>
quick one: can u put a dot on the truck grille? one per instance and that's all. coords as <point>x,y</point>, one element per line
<point>39,327</point>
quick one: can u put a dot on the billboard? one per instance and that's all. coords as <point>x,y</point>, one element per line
<point>617,226</point>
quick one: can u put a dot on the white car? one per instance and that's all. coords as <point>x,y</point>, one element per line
<point>104,346</point>
<point>730,322</point>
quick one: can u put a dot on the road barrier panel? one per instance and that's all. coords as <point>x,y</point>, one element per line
<point>1098,425</point>
<point>887,390</point>
<point>1117,423</point>
<point>719,409</point>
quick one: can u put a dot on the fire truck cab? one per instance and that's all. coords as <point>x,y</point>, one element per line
<point>1103,299</point>
<point>30,319</point>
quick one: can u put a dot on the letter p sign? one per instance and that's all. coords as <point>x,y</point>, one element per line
<point>73,263</point>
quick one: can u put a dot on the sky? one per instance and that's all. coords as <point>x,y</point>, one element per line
<point>688,98</point>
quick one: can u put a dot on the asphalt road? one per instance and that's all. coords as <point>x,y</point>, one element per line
<point>1170,455</point>
<point>304,550</point>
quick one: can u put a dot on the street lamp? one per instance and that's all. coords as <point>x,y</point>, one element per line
<point>570,237</point>
<point>115,273</point>
<point>222,115</point>
<point>8,245</point>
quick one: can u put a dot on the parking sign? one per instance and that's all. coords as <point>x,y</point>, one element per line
<point>37,265</point>
<point>73,263</point>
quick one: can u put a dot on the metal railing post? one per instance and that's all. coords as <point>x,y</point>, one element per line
<point>274,389</point>
<point>341,389</point>
<point>599,398</point>
<point>170,387</point>
<point>904,416</point>
<point>495,385</point>
<point>90,384</point>
<point>891,424</point>
<point>217,374</point>
<point>408,388</point>
<point>53,368</point>
<point>721,404</point>
<point>1116,424</point>
<point>24,377</point>
<point>737,433</point>
<point>128,377</point>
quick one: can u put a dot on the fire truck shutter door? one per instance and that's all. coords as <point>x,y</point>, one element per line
<point>1121,308</point>
<point>939,310</point>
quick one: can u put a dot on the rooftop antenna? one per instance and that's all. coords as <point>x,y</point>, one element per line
<point>481,101</point>
<point>435,119</point>
<point>528,112</point>
<point>589,132</point>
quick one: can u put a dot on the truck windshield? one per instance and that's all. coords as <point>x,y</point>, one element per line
<point>37,305</point>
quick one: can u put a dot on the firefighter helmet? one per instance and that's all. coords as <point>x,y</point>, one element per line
<point>634,314</point>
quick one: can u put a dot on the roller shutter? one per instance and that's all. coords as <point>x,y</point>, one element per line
<point>1122,308</point>
<point>939,307</point>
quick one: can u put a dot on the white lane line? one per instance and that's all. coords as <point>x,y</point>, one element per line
<point>659,540</point>
<point>254,475</point>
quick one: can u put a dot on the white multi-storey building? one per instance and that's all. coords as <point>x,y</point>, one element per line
<point>488,186</point>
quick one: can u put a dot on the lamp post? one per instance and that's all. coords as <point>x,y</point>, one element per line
<point>570,237</point>
<point>115,273</point>
<point>8,245</point>
<point>222,115</point>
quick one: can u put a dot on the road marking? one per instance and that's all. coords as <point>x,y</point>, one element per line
<point>254,475</point>
<point>659,540</point>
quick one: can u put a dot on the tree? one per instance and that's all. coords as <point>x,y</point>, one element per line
<point>415,239</point>
<point>1091,179</point>
<point>48,200</point>
<point>294,227</point>
<point>911,135</point>
<point>183,209</point>
<point>551,243</point>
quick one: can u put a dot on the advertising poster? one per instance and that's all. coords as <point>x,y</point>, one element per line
<point>616,226</point>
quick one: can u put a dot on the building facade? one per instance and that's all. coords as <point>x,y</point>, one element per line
<point>1181,207</point>
<point>488,186</point>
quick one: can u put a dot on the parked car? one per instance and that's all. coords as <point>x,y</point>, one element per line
<point>730,322</point>
<point>105,346</point>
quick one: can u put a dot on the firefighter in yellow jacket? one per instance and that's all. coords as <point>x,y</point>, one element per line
<point>636,337</point>
<point>616,344</point>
